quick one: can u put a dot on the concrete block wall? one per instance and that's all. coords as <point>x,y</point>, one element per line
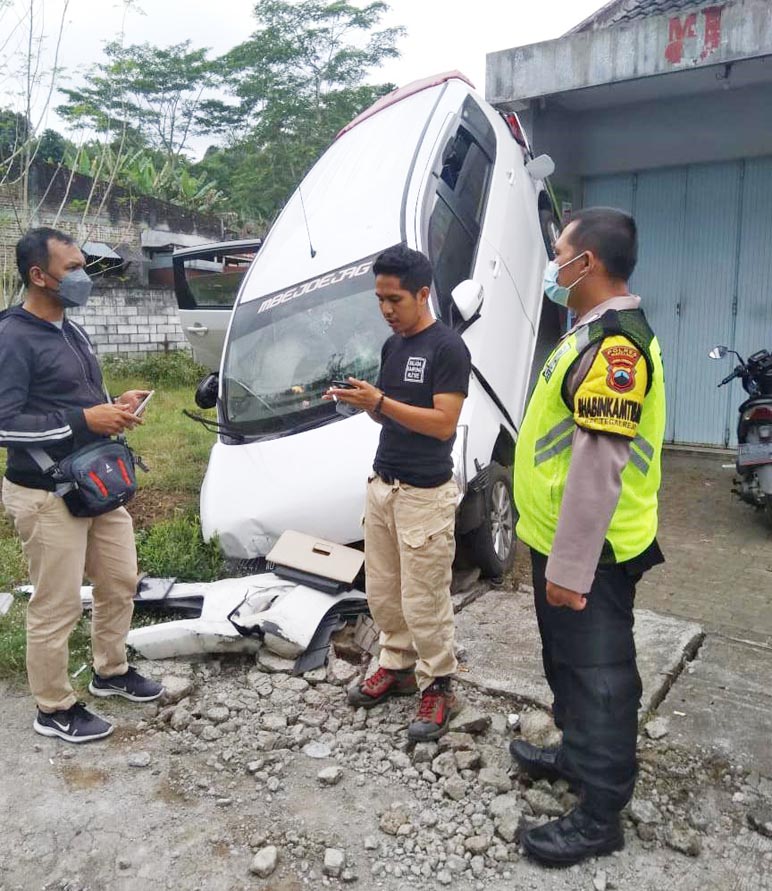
<point>131,321</point>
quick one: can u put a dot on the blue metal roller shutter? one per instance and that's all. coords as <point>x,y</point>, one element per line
<point>704,274</point>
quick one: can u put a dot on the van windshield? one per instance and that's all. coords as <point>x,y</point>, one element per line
<point>285,349</point>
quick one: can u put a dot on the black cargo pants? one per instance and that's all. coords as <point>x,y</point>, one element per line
<point>589,662</point>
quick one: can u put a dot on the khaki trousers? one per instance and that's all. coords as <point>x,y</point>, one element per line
<point>59,549</point>
<point>409,548</point>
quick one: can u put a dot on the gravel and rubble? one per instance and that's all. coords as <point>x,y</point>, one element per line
<point>254,741</point>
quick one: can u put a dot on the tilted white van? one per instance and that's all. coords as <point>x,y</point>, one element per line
<point>434,166</point>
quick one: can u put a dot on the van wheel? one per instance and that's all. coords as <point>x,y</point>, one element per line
<point>550,230</point>
<point>494,541</point>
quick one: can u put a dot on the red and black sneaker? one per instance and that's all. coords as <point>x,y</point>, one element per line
<point>382,684</point>
<point>438,706</point>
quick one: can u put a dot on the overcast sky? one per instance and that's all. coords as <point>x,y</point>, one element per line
<point>441,34</point>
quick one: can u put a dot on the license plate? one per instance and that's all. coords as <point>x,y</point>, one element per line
<point>749,453</point>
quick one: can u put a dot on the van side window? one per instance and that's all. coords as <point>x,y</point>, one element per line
<point>459,204</point>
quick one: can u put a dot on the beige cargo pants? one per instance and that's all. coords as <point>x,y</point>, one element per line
<point>409,548</point>
<point>59,549</point>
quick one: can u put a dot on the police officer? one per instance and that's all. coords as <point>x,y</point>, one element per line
<point>587,473</point>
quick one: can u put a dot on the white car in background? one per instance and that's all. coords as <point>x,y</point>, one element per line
<point>207,279</point>
<point>434,166</point>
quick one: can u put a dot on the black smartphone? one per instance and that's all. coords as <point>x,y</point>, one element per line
<point>342,385</point>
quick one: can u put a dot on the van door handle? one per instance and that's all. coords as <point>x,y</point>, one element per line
<point>201,330</point>
<point>511,177</point>
<point>496,265</point>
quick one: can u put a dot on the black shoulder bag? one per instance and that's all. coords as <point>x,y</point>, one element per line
<point>94,479</point>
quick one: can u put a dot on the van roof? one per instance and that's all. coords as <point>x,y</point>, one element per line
<point>402,93</point>
<point>351,204</point>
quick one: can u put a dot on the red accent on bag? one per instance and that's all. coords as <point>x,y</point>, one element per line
<point>99,484</point>
<point>124,472</point>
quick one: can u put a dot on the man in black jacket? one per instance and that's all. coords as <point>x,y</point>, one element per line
<point>52,398</point>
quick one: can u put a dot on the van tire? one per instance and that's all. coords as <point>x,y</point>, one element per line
<point>550,230</point>
<point>493,542</point>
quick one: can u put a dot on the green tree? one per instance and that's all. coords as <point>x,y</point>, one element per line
<point>296,81</point>
<point>15,131</point>
<point>151,94</point>
<point>52,146</point>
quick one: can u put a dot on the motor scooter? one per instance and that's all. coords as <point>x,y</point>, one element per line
<point>754,428</point>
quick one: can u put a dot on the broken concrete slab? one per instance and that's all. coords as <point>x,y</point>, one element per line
<point>723,702</point>
<point>503,646</point>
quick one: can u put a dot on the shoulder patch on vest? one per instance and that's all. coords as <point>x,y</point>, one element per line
<point>610,398</point>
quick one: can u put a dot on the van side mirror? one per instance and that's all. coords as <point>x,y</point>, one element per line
<point>467,297</point>
<point>718,352</point>
<point>540,167</point>
<point>206,391</point>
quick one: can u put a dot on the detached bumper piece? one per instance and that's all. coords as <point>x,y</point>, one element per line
<point>293,611</point>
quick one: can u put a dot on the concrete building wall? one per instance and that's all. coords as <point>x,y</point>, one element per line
<point>131,321</point>
<point>710,34</point>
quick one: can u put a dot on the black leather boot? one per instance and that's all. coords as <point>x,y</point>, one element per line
<point>538,764</point>
<point>573,838</point>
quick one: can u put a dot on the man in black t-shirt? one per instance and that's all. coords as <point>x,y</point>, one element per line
<point>411,497</point>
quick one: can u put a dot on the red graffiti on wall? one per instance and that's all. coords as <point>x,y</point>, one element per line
<point>678,31</point>
<point>712,30</point>
<point>682,29</point>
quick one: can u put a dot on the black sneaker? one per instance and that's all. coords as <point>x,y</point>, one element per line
<point>130,685</point>
<point>75,724</point>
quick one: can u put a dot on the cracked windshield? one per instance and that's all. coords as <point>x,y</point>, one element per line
<point>286,348</point>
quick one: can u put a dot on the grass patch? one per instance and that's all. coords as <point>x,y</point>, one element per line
<point>175,548</point>
<point>172,369</point>
<point>175,448</point>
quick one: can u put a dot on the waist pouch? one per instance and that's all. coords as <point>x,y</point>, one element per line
<point>94,479</point>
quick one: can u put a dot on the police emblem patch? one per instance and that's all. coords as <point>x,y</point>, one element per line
<point>621,362</point>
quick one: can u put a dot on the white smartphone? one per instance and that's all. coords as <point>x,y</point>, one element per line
<point>143,405</point>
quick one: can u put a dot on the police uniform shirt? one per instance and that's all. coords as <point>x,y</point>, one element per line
<point>612,369</point>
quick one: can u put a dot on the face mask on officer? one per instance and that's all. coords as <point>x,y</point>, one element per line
<point>556,292</point>
<point>74,288</point>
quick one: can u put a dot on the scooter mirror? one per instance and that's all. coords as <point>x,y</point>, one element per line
<point>468,298</point>
<point>718,352</point>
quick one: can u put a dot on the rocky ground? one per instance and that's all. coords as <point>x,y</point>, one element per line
<point>249,778</point>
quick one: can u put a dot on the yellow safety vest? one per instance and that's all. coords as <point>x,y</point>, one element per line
<point>623,393</point>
